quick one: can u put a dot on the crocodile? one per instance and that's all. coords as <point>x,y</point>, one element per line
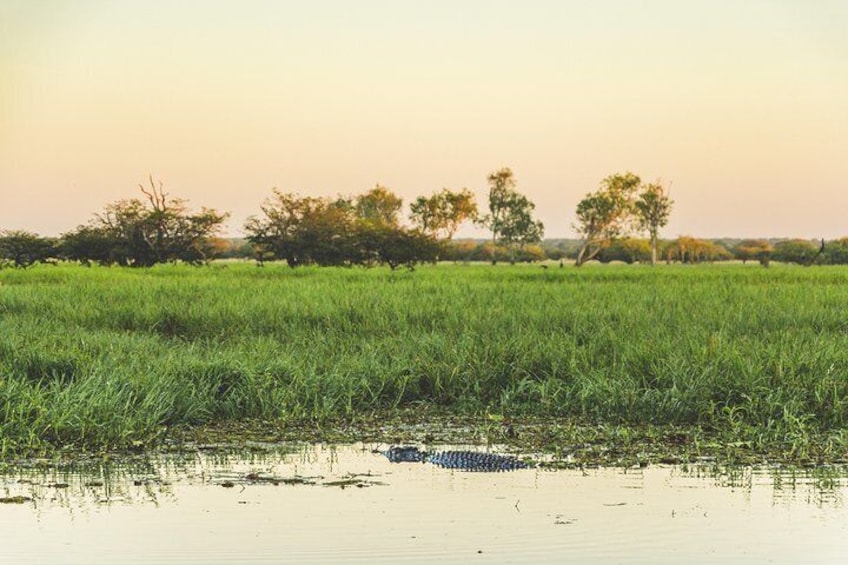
<point>461,460</point>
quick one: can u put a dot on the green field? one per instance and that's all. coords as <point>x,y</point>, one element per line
<point>105,358</point>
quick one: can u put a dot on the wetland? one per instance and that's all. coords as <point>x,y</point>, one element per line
<point>321,503</point>
<point>731,361</point>
<point>231,413</point>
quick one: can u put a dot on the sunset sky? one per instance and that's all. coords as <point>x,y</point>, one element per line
<point>742,106</point>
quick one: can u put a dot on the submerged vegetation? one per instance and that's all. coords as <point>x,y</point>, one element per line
<point>108,358</point>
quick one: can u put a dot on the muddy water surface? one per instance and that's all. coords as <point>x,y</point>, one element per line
<point>319,504</point>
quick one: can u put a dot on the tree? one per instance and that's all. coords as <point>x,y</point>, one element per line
<point>379,206</point>
<point>836,252</point>
<point>519,228</point>
<point>501,191</point>
<point>531,253</point>
<point>558,249</point>
<point>628,250</point>
<point>442,213</point>
<point>800,251</point>
<point>303,230</point>
<point>364,230</point>
<point>605,214</point>
<point>687,249</point>
<point>461,250</point>
<point>758,249</point>
<point>458,207</point>
<point>398,246</point>
<point>88,244</point>
<point>141,234</point>
<point>510,214</point>
<point>652,208</point>
<point>22,249</point>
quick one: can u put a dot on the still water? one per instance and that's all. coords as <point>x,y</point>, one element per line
<point>346,504</point>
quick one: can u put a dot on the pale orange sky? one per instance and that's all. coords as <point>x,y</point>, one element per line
<point>743,106</point>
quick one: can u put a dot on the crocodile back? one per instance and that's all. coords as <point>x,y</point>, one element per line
<point>475,461</point>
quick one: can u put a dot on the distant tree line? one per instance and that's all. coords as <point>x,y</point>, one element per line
<point>301,230</point>
<point>685,249</point>
<point>368,229</point>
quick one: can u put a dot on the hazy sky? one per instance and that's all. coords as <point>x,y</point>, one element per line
<point>741,105</point>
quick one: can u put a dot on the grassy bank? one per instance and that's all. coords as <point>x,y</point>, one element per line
<point>100,358</point>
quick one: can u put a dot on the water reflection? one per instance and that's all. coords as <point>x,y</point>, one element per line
<point>347,504</point>
<point>84,485</point>
<point>818,486</point>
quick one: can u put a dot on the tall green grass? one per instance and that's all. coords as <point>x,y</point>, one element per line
<point>104,357</point>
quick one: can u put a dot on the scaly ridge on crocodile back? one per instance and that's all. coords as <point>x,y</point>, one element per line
<point>461,460</point>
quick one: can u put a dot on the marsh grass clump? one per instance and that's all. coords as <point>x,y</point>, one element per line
<point>100,357</point>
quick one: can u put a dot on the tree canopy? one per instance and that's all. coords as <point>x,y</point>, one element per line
<point>441,214</point>
<point>379,207</point>
<point>605,214</point>
<point>652,208</point>
<point>510,216</point>
<point>21,249</point>
<point>756,249</point>
<point>800,251</point>
<point>141,233</point>
<point>362,230</point>
<point>302,230</point>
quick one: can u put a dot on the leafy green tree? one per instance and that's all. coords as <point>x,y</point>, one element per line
<point>753,249</point>
<point>836,252</point>
<point>510,214</point>
<point>89,244</point>
<point>488,252</point>
<point>142,233</point>
<point>364,230</point>
<point>530,254</point>
<point>275,236</point>
<point>605,214</point>
<point>22,249</point>
<point>652,208</point>
<point>800,251</point>
<point>501,192</point>
<point>459,250</point>
<point>629,250</point>
<point>441,214</point>
<point>303,230</point>
<point>558,249</point>
<point>379,206</point>
<point>519,228</point>
<point>688,249</point>
<point>396,246</point>
<point>457,208</point>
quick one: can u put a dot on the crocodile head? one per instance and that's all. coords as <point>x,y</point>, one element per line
<point>404,454</point>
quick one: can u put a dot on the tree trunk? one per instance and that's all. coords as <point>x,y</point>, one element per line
<point>579,261</point>
<point>653,250</point>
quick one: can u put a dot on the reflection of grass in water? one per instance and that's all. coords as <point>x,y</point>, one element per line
<point>71,485</point>
<point>153,479</point>
<point>821,485</point>
<point>149,479</point>
<point>103,358</point>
